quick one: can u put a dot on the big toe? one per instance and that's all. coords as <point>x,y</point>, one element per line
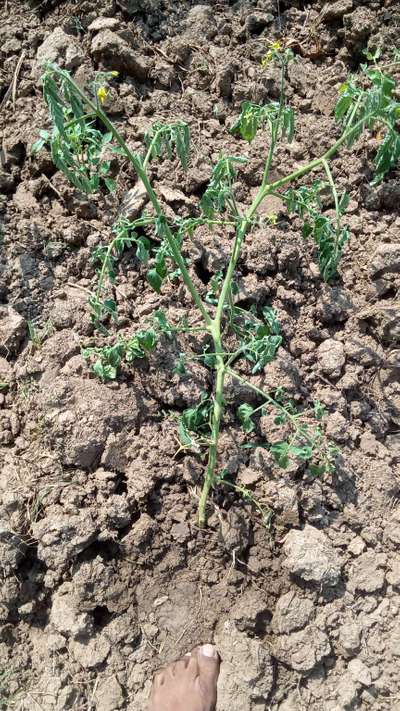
<point>208,662</point>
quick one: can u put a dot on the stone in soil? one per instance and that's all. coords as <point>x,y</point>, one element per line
<point>331,357</point>
<point>303,650</point>
<point>12,331</point>
<point>247,674</point>
<point>109,695</point>
<point>368,572</point>
<point>81,413</point>
<point>62,536</point>
<point>292,612</point>
<point>311,557</point>
<point>115,53</point>
<point>60,48</point>
<point>386,259</point>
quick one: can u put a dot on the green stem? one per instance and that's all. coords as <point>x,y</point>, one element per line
<point>337,209</point>
<point>270,156</point>
<point>275,127</point>
<point>150,149</point>
<point>79,119</point>
<point>213,446</point>
<point>314,163</point>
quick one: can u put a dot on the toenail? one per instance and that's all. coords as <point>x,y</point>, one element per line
<point>208,650</point>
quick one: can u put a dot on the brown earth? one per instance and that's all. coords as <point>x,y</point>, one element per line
<point>104,574</point>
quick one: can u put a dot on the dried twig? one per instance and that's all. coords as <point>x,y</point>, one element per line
<point>12,89</point>
<point>50,184</point>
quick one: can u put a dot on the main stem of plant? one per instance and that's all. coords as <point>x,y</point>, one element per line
<point>213,325</point>
<point>221,367</point>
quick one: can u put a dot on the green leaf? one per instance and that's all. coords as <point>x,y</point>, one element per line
<point>317,469</point>
<point>259,340</point>
<point>196,419</point>
<point>288,123</point>
<point>180,365</point>
<point>37,146</point>
<point>75,144</point>
<point>319,410</point>
<point>280,452</point>
<point>244,413</point>
<point>143,249</point>
<point>330,239</point>
<point>107,360</point>
<point>270,317</point>
<point>162,323</point>
<point>118,150</point>
<point>372,56</point>
<point>110,184</point>
<point>219,191</point>
<point>184,435</point>
<point>214,288</point>
<point>154,280</point>
<point>343,104</point>
<point>209,359</point>
<point>110,306</point>
<point>141,344</point>
<point>344,203</point>
<point>303,453</point>
<point>253,116</point>
<point>182,142</point>
<point>147,339</point>
<point>162,139</point>
<point>107,138</point>
<point>388,155</point>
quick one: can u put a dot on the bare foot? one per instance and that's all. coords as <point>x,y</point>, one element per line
<point>190,684</point>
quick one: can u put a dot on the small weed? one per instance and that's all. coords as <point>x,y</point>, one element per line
<point>38,334</point>
<point>27,388</point>
<point>236,339</point>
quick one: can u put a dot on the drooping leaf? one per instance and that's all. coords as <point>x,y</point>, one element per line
<point>388,154</point>
<point>244,413</point>
<point>254,116</point>
<point>219,192</point>
<point>280,452</point>
<point>163,139</point>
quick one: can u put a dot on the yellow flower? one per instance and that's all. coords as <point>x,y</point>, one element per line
<point>274,47</point>
<point>272,218</point>
<point>265,60</point>
<point>102,94</point>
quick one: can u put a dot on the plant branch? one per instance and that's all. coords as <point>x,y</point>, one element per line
<point>141,172</point>
<point>275,127</point>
